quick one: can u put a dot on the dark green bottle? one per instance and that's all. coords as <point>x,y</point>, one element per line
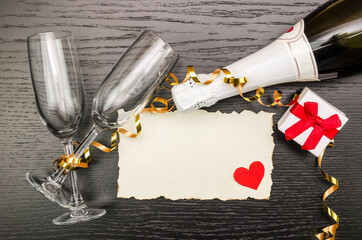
<point>334,31</point>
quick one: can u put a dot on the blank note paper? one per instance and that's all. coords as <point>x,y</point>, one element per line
<point>198,155</point>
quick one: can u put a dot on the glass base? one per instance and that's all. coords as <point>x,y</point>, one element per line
<point>49,188</point>
<point>80,214</point>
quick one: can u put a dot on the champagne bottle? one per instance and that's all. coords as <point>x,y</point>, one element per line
<point>325,44</point>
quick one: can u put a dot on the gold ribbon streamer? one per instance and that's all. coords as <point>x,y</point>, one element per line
<point>240,83</point>
<point>128,133</point>
<point>233,81</point>
<point>330,230</point>
<point>71,163</point>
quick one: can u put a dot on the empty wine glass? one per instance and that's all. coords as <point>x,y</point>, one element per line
<point>58,88</point>
<point>128,87</point>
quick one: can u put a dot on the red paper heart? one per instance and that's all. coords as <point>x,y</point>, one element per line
<point>250,178</point>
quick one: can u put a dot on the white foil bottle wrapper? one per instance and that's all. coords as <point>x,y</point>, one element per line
<point>288,59</point>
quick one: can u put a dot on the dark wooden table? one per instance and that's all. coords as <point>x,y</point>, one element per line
<point>207,34</point>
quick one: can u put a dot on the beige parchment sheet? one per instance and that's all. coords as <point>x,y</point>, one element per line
<point>194,155</point>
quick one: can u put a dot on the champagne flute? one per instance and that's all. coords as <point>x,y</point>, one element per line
<point>58,88</point>
<point>128,87</point>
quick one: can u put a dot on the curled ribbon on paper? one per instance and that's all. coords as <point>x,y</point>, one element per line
<point>308,116</point>
<point>330,230</point>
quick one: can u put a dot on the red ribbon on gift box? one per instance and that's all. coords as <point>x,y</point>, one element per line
<point>308,116</point>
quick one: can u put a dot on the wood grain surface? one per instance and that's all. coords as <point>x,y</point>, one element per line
<point>207,34</point>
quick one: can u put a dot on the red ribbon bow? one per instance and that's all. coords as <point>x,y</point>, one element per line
<point>308,116</point>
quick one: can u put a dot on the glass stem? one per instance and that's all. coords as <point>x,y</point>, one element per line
<point>59,174</point>
<point>78,208</point>
<point>57,178</point>
<point>87,140</point>
<point>76,197</point>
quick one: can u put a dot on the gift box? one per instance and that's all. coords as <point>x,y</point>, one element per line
<point>312,122</point>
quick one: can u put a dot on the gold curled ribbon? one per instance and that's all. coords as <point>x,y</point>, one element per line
<point>233,81</point>
<point>330,230</point>
<point>128,133</point>
<point>71,163</point>
<point>240,83</point>
<point>191,74</point>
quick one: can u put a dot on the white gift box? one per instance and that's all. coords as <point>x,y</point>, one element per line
<point>325,111</point>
